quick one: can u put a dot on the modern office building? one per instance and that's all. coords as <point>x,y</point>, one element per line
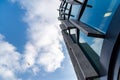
<point>91,31</point>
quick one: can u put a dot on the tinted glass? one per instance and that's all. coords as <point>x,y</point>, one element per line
<point>94,43</point>
<point>75,11</point>
<point>100,15</point>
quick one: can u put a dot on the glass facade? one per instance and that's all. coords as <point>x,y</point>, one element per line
<point>75,11</point>
<point>87,30</point>
<point>101,13</point>
<point>98,17</point>
<point>94,43</point>
<point>73,34</point>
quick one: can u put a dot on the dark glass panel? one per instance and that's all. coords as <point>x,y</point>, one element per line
<point>100,15</point>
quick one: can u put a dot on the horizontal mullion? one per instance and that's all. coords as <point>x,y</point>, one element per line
<point>87,30</point>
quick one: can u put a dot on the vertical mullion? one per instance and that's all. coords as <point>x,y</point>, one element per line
<point>70,11</point>
<point>82,9</point>
<point>65,9</point>
<point>77,35</point>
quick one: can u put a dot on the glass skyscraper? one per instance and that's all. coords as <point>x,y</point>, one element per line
<point>91,31</point>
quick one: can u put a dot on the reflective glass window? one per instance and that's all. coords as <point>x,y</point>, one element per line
<point>75,11</point>
<point>98,17</point>
<point>94,43</point>
<point>101,13</point>
<point>72,31</point>
<point>73,34</point>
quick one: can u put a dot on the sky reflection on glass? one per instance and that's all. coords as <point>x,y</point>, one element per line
<point>98,17</point>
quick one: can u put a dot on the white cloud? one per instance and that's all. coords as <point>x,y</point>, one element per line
<point>9,60</point>
<point>45,10</point>
<point>1,37</point>
<point>51,59</point>
<point>43,46</point>
<point>7,74</point>
<point>35,70</point>
<point>30,54</point>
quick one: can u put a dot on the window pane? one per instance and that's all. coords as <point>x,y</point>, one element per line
<point>94,43</point>
<point>100,15</point>
<point>72,31</point>
<point>75,11</point>
<point>73,34</point>
<point>81,0</point>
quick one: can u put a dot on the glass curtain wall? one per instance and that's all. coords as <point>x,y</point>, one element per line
<point>98,17</point>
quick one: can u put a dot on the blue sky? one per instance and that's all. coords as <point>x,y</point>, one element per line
<point>12,24</point>
<point>31,45</point>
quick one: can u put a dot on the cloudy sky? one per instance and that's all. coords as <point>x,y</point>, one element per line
<point>31,45</point>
